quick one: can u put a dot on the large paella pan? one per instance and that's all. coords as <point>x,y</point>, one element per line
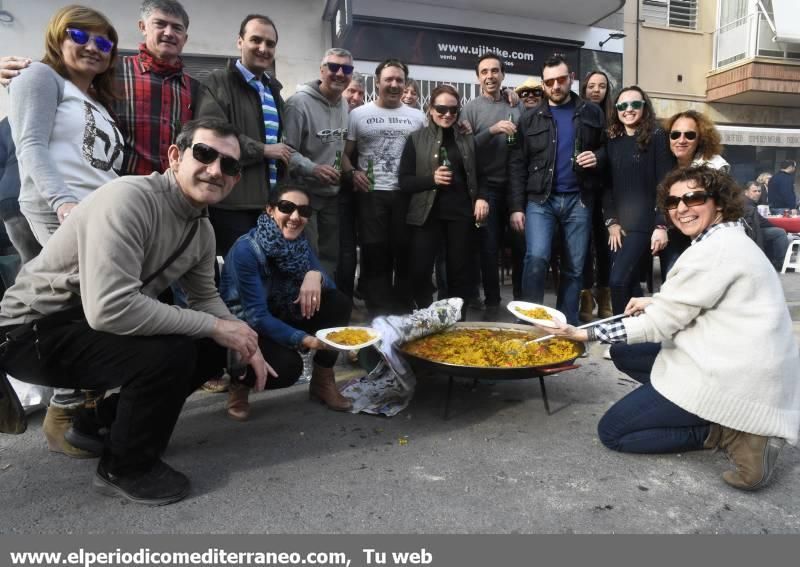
<point>494,351</point>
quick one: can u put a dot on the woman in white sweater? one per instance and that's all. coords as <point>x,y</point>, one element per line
<point>726,372</point>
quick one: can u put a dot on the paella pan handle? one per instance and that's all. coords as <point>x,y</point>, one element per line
<point>556,369</point>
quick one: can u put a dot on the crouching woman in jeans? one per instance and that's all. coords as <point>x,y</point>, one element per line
<point>273,280</point>
<point>726,371</point>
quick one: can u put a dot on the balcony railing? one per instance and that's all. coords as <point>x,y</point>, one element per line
<point>750,37</point>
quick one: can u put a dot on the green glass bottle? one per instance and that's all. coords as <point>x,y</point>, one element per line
<point>511,139</point>
<point>371,174</point>
<point>576,149</point>
<point>337,163</point>
<point>443,159</point>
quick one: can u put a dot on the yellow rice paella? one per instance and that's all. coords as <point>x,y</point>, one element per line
<point>349,336</point>
<point>536,313</point>
<point>491,348</point>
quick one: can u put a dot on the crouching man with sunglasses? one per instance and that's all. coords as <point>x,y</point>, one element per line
<point>708,383</point>
<point>84,314</point>
<point>273,280</point>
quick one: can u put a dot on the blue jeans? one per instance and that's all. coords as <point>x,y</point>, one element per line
<point>575,219</point>
<point>644,421</point>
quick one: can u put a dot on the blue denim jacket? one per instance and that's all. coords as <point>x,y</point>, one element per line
<point>244,287</point>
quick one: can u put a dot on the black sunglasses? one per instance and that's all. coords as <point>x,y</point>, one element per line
<point>287,208</point>
<point>334,68</point>
<point>634,104</point>
<point>207,155</point>
<point>690,199</point>
<point>534,93</point>
<point>689,135</point>
<point>82,37</point>
<point>444,109</point>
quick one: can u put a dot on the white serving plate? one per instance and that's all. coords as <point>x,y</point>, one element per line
<point>322,335</point>
<point>554,313</point>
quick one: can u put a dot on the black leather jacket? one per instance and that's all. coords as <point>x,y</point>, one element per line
<point>532,161</point>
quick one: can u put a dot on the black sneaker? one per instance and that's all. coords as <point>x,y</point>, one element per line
<point>86,432</point>
<point>156,487</point>
<point>88,441</point>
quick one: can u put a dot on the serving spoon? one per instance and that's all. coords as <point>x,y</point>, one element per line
<point>524,344</point>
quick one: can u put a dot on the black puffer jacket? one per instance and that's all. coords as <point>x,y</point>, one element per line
<point>532,161</point>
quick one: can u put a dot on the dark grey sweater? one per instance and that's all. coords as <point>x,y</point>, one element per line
<point>492,150</point>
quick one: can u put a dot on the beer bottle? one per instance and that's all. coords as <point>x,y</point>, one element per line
<point>443,159</point>
<point>337,163</point>
<point>371,174</point>
<point>511,139</point>
<point>576,149</point>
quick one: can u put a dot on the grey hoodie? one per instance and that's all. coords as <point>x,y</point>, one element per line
<point>316,129</point>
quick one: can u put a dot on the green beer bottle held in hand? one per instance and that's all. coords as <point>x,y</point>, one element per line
<point>371,174</point>
<point>443,159</point>
<point>511,139</point>
<point>576,149</point>
<point>337,163</point>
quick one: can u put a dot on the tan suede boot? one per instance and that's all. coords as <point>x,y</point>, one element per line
<point>753,455</point>
<point>57,421</point>
<point>603,297</point>
<point>323,387</point>
<point>587,306</point>
<point>714,434</point>
<point>238,405</point>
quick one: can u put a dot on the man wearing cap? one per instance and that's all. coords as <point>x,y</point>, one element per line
<point>530,93</point>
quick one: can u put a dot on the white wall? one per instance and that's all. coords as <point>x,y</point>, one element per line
<point>214,26</point>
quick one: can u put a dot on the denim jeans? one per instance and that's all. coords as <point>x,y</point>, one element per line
<point>575,219</point>
<point>644,421</point>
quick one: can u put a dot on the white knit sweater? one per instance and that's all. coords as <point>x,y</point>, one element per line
<point>728,351</point>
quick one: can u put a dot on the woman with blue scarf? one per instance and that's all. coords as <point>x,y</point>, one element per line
<point>273,280</point>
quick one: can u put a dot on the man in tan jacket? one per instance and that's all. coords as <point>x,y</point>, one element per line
<point>84,313</point>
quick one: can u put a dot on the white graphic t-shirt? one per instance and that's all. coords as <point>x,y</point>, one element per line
<point>86,144</point>
<point>380,134</point>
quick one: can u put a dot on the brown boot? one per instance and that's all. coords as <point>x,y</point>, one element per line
<point>57,421</point>
<point>587,306</point>
<point>753,455</point>
<point>238,406</point>
<point>603,298</point>
<point>323,387</point>
<point>714,434</point>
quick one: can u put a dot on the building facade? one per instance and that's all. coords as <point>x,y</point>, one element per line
<point>738,61</point>
<point>452,34</point>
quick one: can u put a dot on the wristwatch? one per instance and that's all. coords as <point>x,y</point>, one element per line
<point>611,221</point>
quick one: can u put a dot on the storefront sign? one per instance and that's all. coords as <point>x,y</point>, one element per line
<point>753,136</point>
<point>419,44</point>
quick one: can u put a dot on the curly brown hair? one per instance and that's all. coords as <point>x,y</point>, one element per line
<point>727,194</point>
<point>709,143</point>
<point>86,19</point>
<point>647,125</point>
